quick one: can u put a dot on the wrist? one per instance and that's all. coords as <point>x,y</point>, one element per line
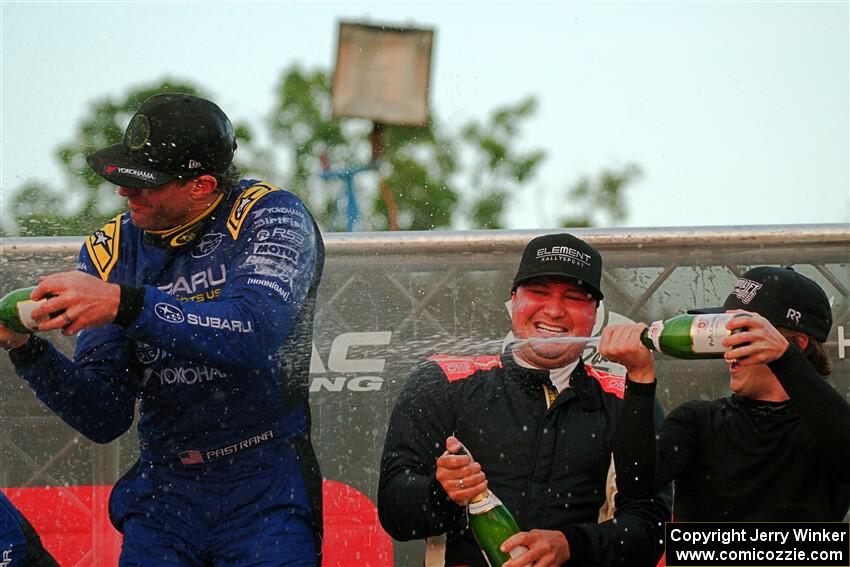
<point>15,342</point>
<point>644,375</point>
<point>130,303</point>
<point>26,354</point>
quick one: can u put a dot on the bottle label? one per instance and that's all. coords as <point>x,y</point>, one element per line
<point>654,333</point>
<point>708,332</point>
<point>25,309</point>
<point>484,505</point>
<point>515,551</point>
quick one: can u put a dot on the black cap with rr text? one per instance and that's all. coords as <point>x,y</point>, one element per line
<point>561,255</point>
<point>171,136</point>
<point>784,297</point>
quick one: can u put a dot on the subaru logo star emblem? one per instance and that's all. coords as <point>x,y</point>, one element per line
<point>207,244</point>
<point>168,312</point>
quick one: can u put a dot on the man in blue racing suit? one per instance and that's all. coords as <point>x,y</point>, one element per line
<point>20,545</point>
<point>198,302</point>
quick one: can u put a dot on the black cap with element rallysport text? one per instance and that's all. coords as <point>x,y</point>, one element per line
<point>782,296</point>
<point>561,255</point>
<point>171,136</point>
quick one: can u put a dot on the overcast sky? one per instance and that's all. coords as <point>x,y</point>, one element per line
<point>737,112</point>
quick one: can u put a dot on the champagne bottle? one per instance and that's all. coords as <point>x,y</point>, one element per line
<point>690,336</point>
<point>16,309</point>
<point>491,523</point>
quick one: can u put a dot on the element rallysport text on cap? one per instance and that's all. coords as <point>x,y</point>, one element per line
<point>561,255</point>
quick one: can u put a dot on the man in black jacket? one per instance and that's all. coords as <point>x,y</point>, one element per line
<point>538,424</point>
<point>776,449</point>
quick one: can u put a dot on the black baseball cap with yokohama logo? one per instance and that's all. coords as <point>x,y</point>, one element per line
<point>561,255</point>
<point>784,297</point>
<point>171,136</point>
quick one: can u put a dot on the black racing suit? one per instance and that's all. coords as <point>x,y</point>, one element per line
<point>549,466</point>
<point>743,460</point>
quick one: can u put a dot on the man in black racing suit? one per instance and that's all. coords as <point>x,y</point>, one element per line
<point>778,447</point>
<point>538,424</point>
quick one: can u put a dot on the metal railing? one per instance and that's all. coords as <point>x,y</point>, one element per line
<point>388,300</point>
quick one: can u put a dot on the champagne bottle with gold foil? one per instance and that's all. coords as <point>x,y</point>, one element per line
<point>491,523</point>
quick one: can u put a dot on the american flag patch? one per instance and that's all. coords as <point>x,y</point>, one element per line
<point>192,457</point>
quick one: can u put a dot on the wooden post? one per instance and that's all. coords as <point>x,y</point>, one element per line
<point>376,137</point>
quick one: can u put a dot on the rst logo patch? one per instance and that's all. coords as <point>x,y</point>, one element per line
<point>102,247</point>
<point>280,234</point>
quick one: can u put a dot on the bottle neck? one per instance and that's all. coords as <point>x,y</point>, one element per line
<point>479,497</point>
<point>483,503</point>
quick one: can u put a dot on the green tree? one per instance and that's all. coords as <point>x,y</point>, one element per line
<point>417,163</point>
<point>428,177</point>
<point>499,169</point>
<point>595,198</point>
<point>88,201</point>
<point>420,166</point>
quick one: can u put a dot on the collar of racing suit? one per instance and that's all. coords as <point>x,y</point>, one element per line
<point>185,233</point>
<point>761,407</point>
<point>531,380</point>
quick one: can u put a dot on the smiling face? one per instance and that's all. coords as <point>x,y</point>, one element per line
<point>756,382</point>
<point>551,308</point>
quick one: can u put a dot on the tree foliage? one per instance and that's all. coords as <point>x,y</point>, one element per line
<point>87,200</point>
<point>416,163</point>
<point>434,176</point>
<point>595,198</point>
<point>499,169</point>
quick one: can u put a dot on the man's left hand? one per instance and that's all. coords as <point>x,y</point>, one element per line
<point>75,301</point>
<point>546,548</point>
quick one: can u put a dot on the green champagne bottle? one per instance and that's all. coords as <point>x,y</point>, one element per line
<point>690,336</point>
<point>492,523</point>
<point>16,308</point>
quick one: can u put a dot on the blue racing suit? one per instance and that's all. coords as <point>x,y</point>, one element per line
<point>20,545</point>
<point>213,337</point>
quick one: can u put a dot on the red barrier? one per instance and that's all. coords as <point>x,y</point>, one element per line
<point>74,526</point>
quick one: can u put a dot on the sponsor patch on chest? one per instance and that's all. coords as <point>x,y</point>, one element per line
<point>611,383</point>
<point>460,367</point>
